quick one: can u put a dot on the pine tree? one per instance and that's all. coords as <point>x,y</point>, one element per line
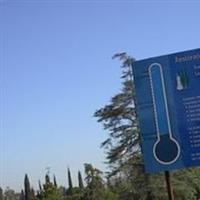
<point>80,180</point>
<point>27,189</point>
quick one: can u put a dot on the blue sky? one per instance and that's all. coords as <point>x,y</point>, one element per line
<point>56,70</point>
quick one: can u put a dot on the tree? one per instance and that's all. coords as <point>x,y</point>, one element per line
<point>119,120</point>
<point>70,185</point>
<point>80,180</point>
<point>27,189</point>
<point>122,146</point>
<point>94,182</point>
<point>49,191</point>
<point>95,189</point>
<point>54,181</point>
<point>10,194</point>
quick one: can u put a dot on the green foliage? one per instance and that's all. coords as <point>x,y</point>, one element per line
<point>94,182</point>
<point>187,184</point>
<point>49,191</point>
<point>96,189</point>
<point>76,194</point>
<point>110,195</point>
<point>130,184</point>
<point>10,194</point>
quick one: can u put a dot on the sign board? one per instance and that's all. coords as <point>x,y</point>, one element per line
<point>168,106</point>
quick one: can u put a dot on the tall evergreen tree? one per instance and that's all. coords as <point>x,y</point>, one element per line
<point>27,189</point>
<point>54,181</point>
<point>1,193</point>
<point>70,184</point>
<point>80,180</point>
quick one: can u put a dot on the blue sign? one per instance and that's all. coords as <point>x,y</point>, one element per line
<point>168,106</point>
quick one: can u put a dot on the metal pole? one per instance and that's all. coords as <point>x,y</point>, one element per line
<point>169,186</point>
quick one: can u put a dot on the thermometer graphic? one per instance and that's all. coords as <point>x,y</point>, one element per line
<point>166,149</point>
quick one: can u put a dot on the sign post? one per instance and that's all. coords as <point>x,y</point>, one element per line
<point>169,185</point>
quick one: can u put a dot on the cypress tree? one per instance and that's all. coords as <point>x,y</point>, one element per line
<point>54,181</point>
<point>27,188</point>
<point>69,181</point>
<point>80,180</point>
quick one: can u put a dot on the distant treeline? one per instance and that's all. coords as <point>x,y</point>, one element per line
<point>130,184</point>
<point>92,187</point>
